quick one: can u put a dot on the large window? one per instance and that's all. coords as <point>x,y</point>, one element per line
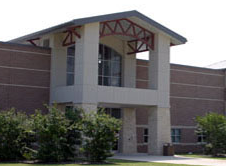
<point>70,65</point>
<point>176,135</point>
<point>109,67</point>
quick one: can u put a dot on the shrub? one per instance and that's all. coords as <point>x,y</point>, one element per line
<point>214,127</point>
<point>55,134</point>
<point>100,132</point>
<point>15,135</point>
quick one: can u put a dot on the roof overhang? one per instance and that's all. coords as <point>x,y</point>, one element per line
<point>134,15</point>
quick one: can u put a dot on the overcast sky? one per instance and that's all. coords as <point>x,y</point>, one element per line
<point>202,22</point>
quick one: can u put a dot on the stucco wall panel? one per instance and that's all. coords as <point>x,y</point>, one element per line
<point>113,42</point>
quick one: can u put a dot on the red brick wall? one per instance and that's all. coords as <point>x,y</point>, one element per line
<point>194,91</point>
<point>142,74</point>
<point>24,77</point>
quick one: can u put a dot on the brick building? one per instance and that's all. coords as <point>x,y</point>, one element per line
<point>92,63</point>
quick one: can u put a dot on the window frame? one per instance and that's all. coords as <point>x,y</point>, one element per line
<point>71,73</point>
<point>105,77</point>
<point>176,136</point>
<point>109,111</point>
<point>145,136</point>
<point>202,137</point>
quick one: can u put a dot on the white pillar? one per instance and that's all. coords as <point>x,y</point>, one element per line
<point>86,65</point>
<point>159,79</point>
<point>58,63</point>
<point>129,69</point>
<point>128,139</point>
<point>159,129</point>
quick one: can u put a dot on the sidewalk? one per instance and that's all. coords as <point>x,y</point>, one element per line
<point>172,159</point>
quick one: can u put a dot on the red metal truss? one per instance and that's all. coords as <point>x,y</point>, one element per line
<point>144,39</point>
<point>69,37</point>
<point>136,46</point>
<point>32,41</point>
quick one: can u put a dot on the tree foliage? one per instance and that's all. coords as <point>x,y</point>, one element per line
<point>100,132</point>
<point>213,125</point>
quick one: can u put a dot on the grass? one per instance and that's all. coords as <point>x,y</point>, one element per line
<point>114,162</point>
<point>202,156</point>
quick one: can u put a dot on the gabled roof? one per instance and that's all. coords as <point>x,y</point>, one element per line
<point>102,18</point>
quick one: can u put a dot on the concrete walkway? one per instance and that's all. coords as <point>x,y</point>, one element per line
<point>172,159</point>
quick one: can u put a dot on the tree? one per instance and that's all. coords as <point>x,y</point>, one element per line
<point>213,125</point>
<point>100,132</point>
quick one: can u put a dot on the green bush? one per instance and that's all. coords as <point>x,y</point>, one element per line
<point>100,132</point>
<point>15,135</point>
<point>56,135</point>
<point>214,127</point>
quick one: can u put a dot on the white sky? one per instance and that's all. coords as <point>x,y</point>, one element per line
<point>202,22</point>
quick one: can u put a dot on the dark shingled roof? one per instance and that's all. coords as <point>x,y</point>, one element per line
<point>101,18</point>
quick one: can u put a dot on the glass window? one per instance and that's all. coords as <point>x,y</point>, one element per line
<point>109,67</point>
<point>70,65</point>
<point>176,135</point>
<point>70,79</point>
<point>145,135</point>
<point>201,138</point>
<point>114,112</point>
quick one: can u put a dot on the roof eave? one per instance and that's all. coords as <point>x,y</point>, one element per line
<point>178,38</point>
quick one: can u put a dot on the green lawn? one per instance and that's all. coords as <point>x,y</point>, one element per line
<point>202,156</point>
<point>113,163</point>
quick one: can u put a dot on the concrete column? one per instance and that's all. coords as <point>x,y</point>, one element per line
<point>159,69</point>
<point>86,65</point>
<point>128,141</point>
<point>129,69</point>
<point>159,79</point>
<point>159,129</point>
<point>58,63</point>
